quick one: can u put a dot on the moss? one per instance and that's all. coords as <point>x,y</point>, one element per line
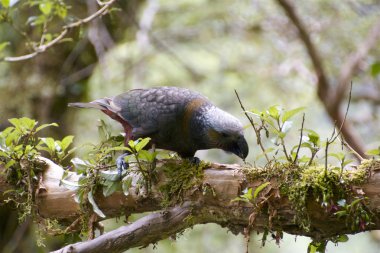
<point>182,176</point>
<point>302,183</point>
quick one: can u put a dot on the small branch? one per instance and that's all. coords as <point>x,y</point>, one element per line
<point>324,87</point>
<point>141,233</point>
<point>43,47</point>
<point>316,59</point>
<point>257,132</point>
<point>353,61</point>
<point>300,142</point>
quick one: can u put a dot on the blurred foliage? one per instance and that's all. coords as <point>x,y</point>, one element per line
<point>210,46</point>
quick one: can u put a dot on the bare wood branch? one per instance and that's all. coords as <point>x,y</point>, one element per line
<point>323,83</point>
<point>151,228</point>
<point>324,88</point>
<point>352,63</point>
<point>43,47</point>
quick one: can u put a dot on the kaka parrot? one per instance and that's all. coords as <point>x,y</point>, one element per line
<point>175,119</point>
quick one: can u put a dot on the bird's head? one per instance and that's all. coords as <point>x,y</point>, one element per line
<point>226,132</point>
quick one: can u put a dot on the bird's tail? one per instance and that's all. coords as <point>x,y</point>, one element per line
<point>100,104</point>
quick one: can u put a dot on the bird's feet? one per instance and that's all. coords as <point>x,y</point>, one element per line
<point>121,164</point>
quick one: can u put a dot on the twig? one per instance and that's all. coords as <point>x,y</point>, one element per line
<point>352,63</point>
<point>257,132</point>
<point>344,119</point>
<point>352,150</point>
<point>326,154</point>
<point>299,144</point>
<point>335,134</point>
<point>44,47</point>
<point>324,87</point>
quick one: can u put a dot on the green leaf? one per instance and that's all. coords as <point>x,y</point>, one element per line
<point>313,137</point>
<point>61,11</point>
<point>50,143</point>
<point>65,143</point>
<point>119,149</point>
<point>4,45</point>
<point>10,163</point>
<point>289,114</point>
<point>340,213</point>
<point>95,207</point>
<point>311,248</point>
<point>274,111</point>
<point>375,69</point>
<point>70,185</point>
<point>23,124</point>
<point>247,194</point>
<point>5,3</point>
<point>340,155</point>
<point>259,189</point>
<point>109,175</point>
<point>46,7</point>
<point>141,144</point>
<point>373,152</point>
<point>126,185</point>
<point>147,155</point>
<point>110,187</point>
<point>341,238</point>
<point>45,126</point>
<point>79,164</point>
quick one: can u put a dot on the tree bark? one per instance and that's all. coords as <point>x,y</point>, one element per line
<point>198,207</point>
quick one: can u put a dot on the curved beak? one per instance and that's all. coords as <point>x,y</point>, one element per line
<point>241,148</point>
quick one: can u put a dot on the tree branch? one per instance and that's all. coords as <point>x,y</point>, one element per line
<point>323,83</point>
<point>208,201</point>
<point>330,97</point>
<point>151,228</point>
<point>353,61</point>
<point>43,47</point>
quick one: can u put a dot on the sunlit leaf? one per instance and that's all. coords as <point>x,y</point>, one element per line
<point>289,114</point>
<point>274,111</point>
<point>5,3</point>
<point>69,184</point>
<point>141,144</point>
<point>65,143</point>
<point>45,126</point>
<point>110,175</point>
<point>373,152</point>
<point>341,238</point>
<point>259,189</point>
<point>79,164</point>
<point>46,7</point>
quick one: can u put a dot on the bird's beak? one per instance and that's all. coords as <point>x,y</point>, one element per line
<point>241,149</point>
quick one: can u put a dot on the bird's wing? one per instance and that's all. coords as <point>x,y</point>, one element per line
<point>152,110</point>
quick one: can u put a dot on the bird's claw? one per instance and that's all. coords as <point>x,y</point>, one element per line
<point>121,164</point>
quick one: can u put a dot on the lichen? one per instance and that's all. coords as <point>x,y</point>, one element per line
<point>181,177</point>
<point>303,183</point>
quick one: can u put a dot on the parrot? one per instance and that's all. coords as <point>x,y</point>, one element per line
<point>175,119</point>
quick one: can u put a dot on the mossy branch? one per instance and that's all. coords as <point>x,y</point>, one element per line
<point>208,199</point>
